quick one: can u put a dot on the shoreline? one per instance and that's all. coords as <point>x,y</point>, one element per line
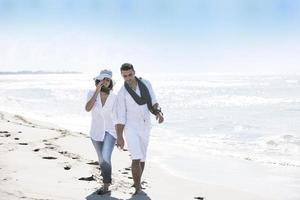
<point>40,161</point>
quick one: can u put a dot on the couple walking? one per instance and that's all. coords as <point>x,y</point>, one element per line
<point>128,112</point>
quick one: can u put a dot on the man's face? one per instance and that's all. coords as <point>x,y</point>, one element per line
<point>128,75</point>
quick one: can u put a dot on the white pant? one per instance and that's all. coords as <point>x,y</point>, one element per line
<point>137,142</point>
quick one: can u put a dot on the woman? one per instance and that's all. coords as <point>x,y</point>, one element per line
<point>101,102</point>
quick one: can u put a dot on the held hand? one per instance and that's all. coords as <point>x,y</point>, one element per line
<point>160,118</point>
<point>99,86</point>
<point>120,142</point>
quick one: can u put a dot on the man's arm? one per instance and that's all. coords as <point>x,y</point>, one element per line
<point>156,107</point>
<point>120,139</point>
<point>159,114</point>
<point>120,117</point>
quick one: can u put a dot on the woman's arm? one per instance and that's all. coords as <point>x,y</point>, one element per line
<point>89,105</point>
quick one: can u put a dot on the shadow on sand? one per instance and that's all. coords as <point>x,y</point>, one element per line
<point>94,196</point>
<point>141,196</point>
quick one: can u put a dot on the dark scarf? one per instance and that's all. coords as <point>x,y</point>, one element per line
<point>145,97</point>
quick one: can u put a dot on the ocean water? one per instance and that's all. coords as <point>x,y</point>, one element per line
<point>253,122</point>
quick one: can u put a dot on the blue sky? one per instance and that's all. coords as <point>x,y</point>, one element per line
<point>203,36</point>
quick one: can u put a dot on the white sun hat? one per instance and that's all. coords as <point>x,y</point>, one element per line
<point>104,74</point>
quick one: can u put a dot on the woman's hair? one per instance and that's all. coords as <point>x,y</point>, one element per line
<point>111,85</point>
<point>97,81</point>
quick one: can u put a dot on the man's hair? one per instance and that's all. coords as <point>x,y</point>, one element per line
<point>126,66</point>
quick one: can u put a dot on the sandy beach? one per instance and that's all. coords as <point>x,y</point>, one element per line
<point>226,75</point>
<point>41,161</point>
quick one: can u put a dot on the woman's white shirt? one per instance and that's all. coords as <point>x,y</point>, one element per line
<point>102,116</point>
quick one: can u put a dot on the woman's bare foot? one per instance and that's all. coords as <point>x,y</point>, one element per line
<point>104,189</point>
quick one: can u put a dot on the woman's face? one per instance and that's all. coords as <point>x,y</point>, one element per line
<point>106,82</point>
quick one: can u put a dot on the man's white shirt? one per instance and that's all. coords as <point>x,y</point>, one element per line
<point>136,119</point>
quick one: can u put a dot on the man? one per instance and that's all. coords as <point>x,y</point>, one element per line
<point>135,101</point>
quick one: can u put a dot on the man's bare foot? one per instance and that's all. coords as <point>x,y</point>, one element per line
<point>140,186</point>
<point>138,190</point>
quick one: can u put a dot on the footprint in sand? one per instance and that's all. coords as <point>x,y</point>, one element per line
<point>90,178</point>
<point>93,163</point>
<point>49,158</point>
<point>70,155</point>
<point>68,167</point>
<point>63,152</point>
<point>4,132</point>
<point>144,183</point>
<point>50,147</point>
<point>7,179</point>
<point>23,143</point>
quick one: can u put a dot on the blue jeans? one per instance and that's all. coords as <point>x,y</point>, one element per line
<point>104,150</point>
